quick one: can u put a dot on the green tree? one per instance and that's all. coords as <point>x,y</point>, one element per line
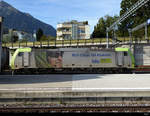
<point>109,21</point>
<point>14,38</point>
<point>47,38</point>
<point>51,38</point>
<point>39,34</point>
<point>44,38</point>
<point>99,29</point>
<point>23,40</point>
<point>6,38</point>
<point>135,19</point>
<point>103,23</point>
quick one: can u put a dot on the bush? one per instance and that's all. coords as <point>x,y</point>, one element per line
<point>6,38</point>
<point>47,38</point>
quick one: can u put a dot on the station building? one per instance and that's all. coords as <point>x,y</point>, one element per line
<point>73,30</point>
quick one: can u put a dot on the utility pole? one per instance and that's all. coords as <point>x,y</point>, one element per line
<point>1,34</point>
<point>107,39</point>
<point>130,34</point>
<point>145,24</point>
<point>146,31</point>
<point>129,12</point>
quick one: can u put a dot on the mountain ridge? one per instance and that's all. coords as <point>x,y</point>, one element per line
<point>21,21</point>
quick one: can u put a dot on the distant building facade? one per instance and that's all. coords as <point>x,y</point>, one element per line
<point>73,30</point>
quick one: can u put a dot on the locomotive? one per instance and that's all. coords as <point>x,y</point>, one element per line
<point>72,60</point>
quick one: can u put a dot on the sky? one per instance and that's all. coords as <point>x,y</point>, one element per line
<point>57,11</point>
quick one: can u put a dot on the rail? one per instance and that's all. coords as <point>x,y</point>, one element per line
<point>109,109</point>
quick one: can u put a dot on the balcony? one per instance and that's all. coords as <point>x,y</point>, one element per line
<point>64,26</point>
<point>63,33</point>
<point>82,27</point>
<point>82,34</point>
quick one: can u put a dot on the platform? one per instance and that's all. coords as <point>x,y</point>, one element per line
<point>94,85</point>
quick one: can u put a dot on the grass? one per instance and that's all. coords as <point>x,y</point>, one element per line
<point>60,42</point>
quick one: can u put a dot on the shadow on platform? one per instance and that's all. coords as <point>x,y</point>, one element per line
<point>31,79</point>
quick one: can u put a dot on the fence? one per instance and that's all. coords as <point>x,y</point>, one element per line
<point>76,43</point>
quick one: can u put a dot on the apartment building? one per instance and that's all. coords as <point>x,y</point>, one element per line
<point>73,30</point>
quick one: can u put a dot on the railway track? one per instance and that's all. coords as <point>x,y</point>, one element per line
<point>134,109</point>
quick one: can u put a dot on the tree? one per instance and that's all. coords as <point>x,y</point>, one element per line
<point>15,38</point>
<point>6,38</point>
<point>103,23</point>
<point>109,21</point>
<point>137,18</point>
<point>140,16</point>
<point>99,29</point>
<point>39,34</point>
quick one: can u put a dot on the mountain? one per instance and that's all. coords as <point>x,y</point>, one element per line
<point>18,20</point>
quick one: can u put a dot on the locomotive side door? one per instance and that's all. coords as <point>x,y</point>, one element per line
<point>120,58</point>
<point>26,59</point>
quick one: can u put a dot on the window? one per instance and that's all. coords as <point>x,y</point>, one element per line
<point>125,54</point>
<point>20,54</point>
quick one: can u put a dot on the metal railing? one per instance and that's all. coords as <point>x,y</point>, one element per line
<point>76,43</point>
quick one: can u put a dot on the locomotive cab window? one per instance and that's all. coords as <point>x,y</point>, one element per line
<point>125,54</point>
<point>20,54</point>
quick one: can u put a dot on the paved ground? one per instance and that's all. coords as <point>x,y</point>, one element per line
<point>35,81</point>
<point>112,82</point>
<point>97,82</point>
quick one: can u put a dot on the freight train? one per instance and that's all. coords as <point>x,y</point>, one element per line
<point>72,60</point>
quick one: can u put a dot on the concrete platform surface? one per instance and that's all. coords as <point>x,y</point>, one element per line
<point>83,82</point>
<point>93,85</point>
